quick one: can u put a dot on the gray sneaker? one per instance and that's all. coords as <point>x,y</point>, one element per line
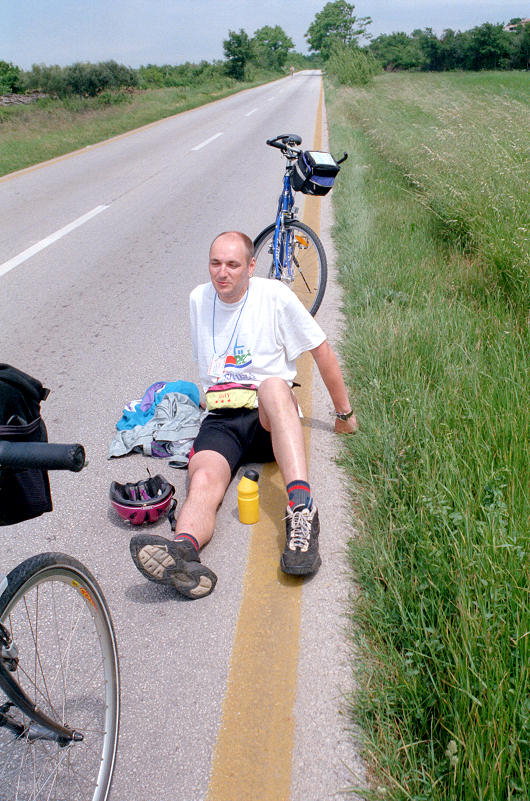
<point>301,556</point>
<point>175,564</point>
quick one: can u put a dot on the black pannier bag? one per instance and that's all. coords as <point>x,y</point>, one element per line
<point>314,172</point>
<point>23,493</point>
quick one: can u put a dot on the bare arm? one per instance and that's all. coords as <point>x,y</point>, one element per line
<point>329,368</point>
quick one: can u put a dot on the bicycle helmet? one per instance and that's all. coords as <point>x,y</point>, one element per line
<point>142,502</point>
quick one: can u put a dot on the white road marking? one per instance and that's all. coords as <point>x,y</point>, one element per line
<point>251,112</point>
<point>49,240</point>
<point>207,141</point>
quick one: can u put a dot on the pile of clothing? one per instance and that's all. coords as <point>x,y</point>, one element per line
<point>163,423</point>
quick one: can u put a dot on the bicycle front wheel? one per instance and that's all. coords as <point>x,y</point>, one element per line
<point>302,261</point>
<point>67,663</point>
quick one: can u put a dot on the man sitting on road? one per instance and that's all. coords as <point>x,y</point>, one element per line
<point>247,333</point>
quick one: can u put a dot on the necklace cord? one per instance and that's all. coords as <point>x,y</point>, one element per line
<point>218,355</point>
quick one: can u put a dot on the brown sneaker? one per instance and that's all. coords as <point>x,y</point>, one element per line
<point>175,564</point>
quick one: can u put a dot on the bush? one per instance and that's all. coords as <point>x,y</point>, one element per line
<point>82,78</point>
<point>9,78</point>
<point>351,65</point>
<point>187,74</point>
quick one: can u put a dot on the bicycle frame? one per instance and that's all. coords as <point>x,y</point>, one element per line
<point>281,244</point>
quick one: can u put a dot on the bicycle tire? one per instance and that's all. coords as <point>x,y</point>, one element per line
<point>311,269</point>
<point>68,665</point>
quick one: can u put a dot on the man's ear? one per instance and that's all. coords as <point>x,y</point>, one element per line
<point>251,267</point>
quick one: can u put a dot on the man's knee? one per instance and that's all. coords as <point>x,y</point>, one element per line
<point>273,388</point>
<point>275,397</point>
<point>209,474</point>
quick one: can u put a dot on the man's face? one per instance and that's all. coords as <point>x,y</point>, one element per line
<point>230,270</point>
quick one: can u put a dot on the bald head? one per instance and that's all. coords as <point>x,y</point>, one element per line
<point>245,240</point>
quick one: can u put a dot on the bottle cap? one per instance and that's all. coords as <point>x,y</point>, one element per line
<point>252,475</point>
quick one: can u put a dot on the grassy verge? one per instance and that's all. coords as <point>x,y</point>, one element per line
<point>436,354</point>
<point>49,128</point>
<point>462,142</point>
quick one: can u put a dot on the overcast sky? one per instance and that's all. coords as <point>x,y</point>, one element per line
<point>136,32</point>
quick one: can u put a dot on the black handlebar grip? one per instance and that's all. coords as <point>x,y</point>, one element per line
<point>345,156</point>
<point>283,140</point>
<point>42,455</point>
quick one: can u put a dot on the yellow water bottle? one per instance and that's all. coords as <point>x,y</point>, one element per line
<point>248,498</point>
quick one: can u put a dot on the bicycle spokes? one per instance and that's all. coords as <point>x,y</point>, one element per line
<point>295,256</point>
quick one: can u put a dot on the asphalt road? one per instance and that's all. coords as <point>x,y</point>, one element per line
<point>98,253</point>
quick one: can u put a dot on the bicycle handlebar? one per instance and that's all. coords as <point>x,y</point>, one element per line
<point>42,455</point>
<point>289,144</point>
<point>285,141</point>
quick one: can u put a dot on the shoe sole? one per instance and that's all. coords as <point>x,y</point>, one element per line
<point>156,563</point>
<point>300,570</point>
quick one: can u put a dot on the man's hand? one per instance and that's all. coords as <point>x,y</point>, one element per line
<point>346,426</point>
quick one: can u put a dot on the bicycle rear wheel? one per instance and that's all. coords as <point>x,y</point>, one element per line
<point>308,273</point>
<point>68,666</point>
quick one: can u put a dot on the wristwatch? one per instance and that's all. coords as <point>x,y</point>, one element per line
<point>344,416</point>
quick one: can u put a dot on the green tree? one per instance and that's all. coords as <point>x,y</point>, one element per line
<point>336,22</point>
<point>454,49</point>
<point>397,51</point>
<point>520,47</point>
<point>431,49</point>
<point>9,78</point>
<point>238,51</point>
<point>271,46</point>
<point>489,47</point>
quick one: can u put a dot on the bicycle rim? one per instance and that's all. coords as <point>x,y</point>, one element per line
<point>68,666</point>
<point>303,260</point>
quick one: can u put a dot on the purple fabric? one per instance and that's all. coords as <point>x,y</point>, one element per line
<point>159,449</point>
<point>149,396</point>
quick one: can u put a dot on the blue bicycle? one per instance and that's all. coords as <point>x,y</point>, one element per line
<point>288,250</point>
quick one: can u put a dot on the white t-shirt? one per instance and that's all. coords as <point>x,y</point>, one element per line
<point>259,337</point>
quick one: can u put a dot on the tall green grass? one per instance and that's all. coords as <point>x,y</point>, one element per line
<point>462,141</point>
<point>436,355</point>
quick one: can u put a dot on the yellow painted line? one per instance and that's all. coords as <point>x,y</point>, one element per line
<point>253,752</point>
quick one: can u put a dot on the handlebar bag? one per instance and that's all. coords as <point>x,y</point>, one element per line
<point>314,172</point>
<point>24,494</point>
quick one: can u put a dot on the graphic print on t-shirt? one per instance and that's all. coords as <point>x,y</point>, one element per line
<point>238,365</point>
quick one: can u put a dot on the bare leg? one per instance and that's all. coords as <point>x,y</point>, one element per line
<point>278,413</point>
<point>209,474</point>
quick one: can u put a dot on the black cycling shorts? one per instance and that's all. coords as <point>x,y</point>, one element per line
<point>236,434</point>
